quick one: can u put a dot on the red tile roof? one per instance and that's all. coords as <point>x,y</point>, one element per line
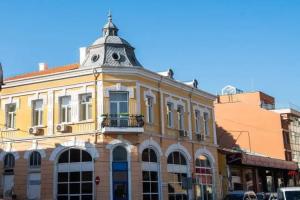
<point>47,71</point>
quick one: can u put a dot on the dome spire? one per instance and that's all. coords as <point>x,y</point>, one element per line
<point>110,28</point>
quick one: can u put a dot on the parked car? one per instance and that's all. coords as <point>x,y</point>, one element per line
<point>266,196</point>
<point>288,193</point>
<point>241,195</point>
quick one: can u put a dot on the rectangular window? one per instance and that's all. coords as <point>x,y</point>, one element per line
<point>180,112</point>
<point>206,123</point>
<point>10,110</point>
<point>85,107</point>
<point>175,190</point>
<point>149,104</point>
<point>170,114</point>
<point>150,185</point>
<point>197,121</point>
<point>119,109</point>
<point>37,112</point>
<point>65,109</point>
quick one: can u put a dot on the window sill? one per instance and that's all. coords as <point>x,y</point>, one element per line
<point>84,121</point>
<point>10,129</point>
<point>65,123</point>
<point>40,126</point>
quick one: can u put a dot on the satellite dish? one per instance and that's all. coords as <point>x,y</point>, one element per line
<point>1,77</point>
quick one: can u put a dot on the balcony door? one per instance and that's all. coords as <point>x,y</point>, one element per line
<point>118,109</point>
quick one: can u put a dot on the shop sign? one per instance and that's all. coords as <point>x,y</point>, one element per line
<point>292,173</point>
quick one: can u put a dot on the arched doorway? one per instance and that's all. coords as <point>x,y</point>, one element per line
<point>8,175</point>
<point>34,176</point>
<point>120,173</point>
<point>204,178</point>
<point>74,175</point>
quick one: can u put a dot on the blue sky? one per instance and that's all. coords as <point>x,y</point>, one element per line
<point>251,44</point>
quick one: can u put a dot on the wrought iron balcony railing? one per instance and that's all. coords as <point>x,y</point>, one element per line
<point>122,121</point>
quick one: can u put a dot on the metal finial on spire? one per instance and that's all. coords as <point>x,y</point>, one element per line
<point>109,16</point>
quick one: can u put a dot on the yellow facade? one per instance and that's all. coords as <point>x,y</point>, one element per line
<point>90,135</point>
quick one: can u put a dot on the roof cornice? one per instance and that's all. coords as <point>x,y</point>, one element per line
<point>106,70</point>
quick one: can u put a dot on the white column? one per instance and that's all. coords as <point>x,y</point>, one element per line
<point>99,103</point>
<point>138,98</point>
<point>50,112</point>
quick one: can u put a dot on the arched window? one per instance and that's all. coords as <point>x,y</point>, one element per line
<point>177,172</point>
<point>74,155</point>
<point>8,175</point>
<point>75,175</point>
<point>204,178</point>
<point>120,173</point>
<point>9,161</point>
<point>35,160</point>
<point>149,155</point>
<point>150,172</point>
<point>34,176</point>
<point>176,158</point>
<point>119,154</point>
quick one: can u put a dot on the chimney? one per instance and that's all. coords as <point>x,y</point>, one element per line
<point>82,52</point>
<point>43,66</point>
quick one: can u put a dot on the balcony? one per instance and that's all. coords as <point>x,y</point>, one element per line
<point>122,123</point>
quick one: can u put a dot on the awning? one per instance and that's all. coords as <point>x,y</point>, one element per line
<point>268,162</point>
<point>259,161</point>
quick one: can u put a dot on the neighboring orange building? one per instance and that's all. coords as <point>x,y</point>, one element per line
<point>250,136</point>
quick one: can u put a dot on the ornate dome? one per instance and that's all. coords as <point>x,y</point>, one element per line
<point>110,50</point>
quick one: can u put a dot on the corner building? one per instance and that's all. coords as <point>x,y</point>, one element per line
<point>107,128</point>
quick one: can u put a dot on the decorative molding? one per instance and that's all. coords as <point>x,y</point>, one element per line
<point>120,142</point>
<point>150,143</point>
<point>170,99</point>
<point>8,149</point>
<point>74,143</point>
<point>181,103</point>
<point>35,147</point>
<point>202,110</point>
<point>10,100</point>
<point>180,148</point>
<point>149,93</point>
<point>37,96</point>
<point>207,153</point>
<point>119,87</point>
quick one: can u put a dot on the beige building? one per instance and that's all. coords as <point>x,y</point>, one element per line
<point>107,128</point>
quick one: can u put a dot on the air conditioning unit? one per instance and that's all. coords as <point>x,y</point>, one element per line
<point>182,133</point>
<point>200,137</point>
<point>62,128</point>
<point>34,130</point>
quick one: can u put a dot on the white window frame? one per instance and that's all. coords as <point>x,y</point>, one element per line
<point>149,167</point>
<point>197,121</point>
<point>10,117</point>
<point>149,109</point>
<point>170,115</point>
<point>39,111</point>
<point>180,113</point>
<point>67,108</point>
<point>206,123</point>
<point>87,106</point>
